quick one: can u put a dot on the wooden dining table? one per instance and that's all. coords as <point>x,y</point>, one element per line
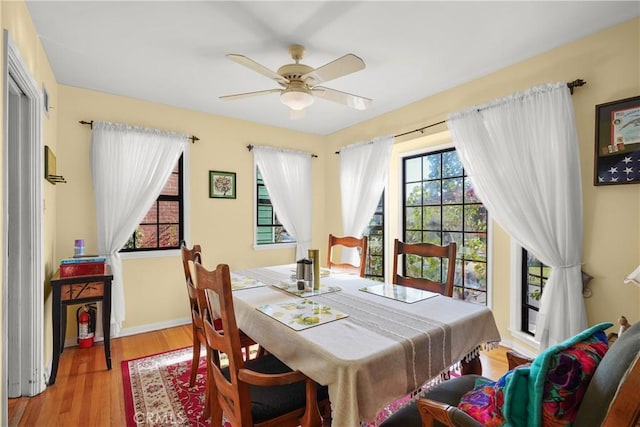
<point>375,350</point>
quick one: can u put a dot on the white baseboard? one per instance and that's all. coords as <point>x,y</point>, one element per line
<point>124,332</point>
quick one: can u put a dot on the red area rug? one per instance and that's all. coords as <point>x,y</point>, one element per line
<point>157,392</point>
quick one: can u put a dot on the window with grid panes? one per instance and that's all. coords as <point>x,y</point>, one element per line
<point>162,227</point>
<point>269,230</point>
<point>375,244</point>
<point>534,276</point>
<point>440,206</point>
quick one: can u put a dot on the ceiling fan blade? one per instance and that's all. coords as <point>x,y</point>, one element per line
<point>353,101</point>
<point>249,94</point>
<point>342,66</point>
<point>250,63</point>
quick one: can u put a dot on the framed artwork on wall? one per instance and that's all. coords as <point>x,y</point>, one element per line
<point>222,185</point>
<point>617,155</point>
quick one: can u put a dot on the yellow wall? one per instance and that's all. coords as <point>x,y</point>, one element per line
<point>16,20</point>
<point>154,288</point>
<point>609,61</point>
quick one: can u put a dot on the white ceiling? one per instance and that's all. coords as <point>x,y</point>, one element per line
<point>174,52</point>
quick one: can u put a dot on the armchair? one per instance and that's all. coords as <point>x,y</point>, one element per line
<point>610,398</point>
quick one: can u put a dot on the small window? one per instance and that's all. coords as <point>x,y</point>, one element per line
<point>375,244</point>
<point>162,228</point>
<point>534,277</point>
<point>269,230</point>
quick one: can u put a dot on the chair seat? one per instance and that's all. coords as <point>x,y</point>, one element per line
<point>448,392</point>
<point>270,402</point>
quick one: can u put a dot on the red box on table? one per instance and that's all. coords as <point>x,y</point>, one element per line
<point>83,267</point>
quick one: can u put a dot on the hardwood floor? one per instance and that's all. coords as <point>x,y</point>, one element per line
<point>86,393</point>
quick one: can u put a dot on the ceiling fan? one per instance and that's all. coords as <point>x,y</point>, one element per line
<point>299,82</point>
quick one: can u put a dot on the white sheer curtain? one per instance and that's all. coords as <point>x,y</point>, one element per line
<point>521,154</point>
<point>363,175</point>
<point>634,277</point>
<point>130,166</point>
<point>287,176</point>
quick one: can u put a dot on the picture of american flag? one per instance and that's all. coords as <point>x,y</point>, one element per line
<point>619,168</point>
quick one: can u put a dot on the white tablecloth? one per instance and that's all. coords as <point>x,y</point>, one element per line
<point>382,351</point>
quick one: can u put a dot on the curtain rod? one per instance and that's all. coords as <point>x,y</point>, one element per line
<point>250,147</point>
<point>193,138</point>
<point>570,85</point>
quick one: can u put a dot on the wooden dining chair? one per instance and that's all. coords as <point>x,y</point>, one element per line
<point>349,242</point>
<point>197,303</point>
<point>258,392</point>
<point>197,327</point>
<point>426,250</point>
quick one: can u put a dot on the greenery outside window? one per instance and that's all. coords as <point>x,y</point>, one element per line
<point>440,206</point>
<point>162,228</point>
<point>269,230</point>
<point>375,244</point>
<point>534,277</point>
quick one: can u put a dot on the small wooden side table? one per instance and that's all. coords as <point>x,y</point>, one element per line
<point>79,290</point>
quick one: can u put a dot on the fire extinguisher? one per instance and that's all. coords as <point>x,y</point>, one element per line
<point>86,326</point>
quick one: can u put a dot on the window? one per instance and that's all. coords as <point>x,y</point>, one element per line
<point>440,206</point>
<point>162,227</point>
<point>534,277</point>
<point>375,244</point>
<point>268,229</point>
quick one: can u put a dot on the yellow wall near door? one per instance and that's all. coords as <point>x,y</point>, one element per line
<point>16,20</point>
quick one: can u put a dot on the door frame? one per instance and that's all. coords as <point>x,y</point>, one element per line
<point>31,335</point>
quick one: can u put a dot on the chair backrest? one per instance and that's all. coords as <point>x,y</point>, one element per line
<point>287,398</point>
<point>231,393</point>
<point>611,400</point>
<point>349,242</point>
<point>190,256</point>
<point>426,250</point>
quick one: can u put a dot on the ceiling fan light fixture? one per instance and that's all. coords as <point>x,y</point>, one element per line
<point>299,82</point>
<point>296,99</point>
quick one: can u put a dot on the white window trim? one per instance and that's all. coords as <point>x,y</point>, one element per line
<point>160,253</point>
<point>515,315</point>
<point>150,254</point>
<point>270,246</point>
<point>401,157</point>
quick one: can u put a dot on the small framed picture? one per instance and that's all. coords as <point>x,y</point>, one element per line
<point>222,185</point>
<point>617,155</point>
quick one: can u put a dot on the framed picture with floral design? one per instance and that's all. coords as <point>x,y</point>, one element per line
<point>222,185</point>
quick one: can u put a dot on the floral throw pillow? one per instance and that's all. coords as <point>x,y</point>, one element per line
<point>559,377</point>
<point>495,403</point>
<point>484,402</point>
<point>547,393</point>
